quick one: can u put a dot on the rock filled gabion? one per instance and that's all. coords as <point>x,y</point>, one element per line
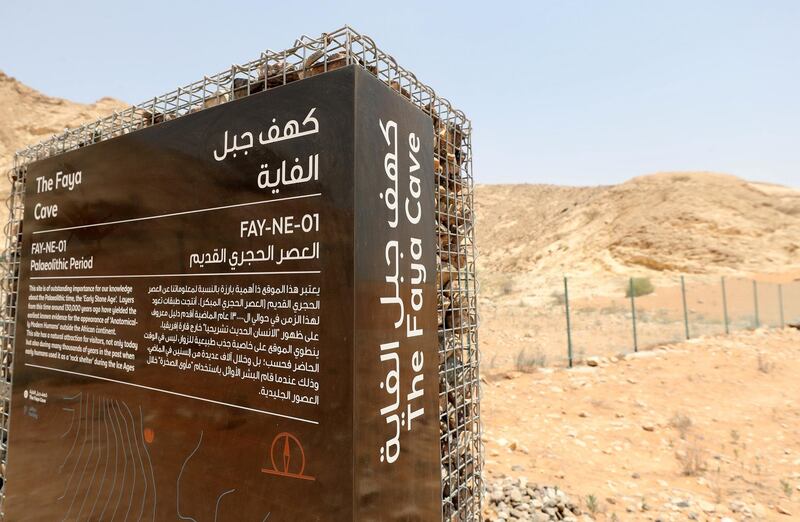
<point>459,394</point>
<point>514,499</point>
<point>459,406</point>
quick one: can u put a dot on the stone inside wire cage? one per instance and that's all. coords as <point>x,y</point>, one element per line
<point>459,395</point>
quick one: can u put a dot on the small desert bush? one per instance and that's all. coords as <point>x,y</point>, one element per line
<point>692,459</point>
<point>592,506</point>
<point>787,488</point>
<point>640,286</point>
<point>613,310</point>
<point>764,365</point>
<point>525,360</point>
<point>507,286</point>
<point>557,297</point>
<point>682,423</point>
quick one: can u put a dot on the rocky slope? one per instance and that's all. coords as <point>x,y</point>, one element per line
<point>28,116</point>
<point>688,222</point>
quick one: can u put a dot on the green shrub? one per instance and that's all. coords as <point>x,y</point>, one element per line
<point>592,506</point>
<point>641,286</point>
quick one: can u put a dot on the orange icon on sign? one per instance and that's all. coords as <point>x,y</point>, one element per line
<point>287,457</point>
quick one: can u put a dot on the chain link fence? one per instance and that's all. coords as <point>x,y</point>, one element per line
<point>621,315</point>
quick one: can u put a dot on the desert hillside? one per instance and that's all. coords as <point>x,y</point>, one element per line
<point>688,222</point>
<point>28,116</point>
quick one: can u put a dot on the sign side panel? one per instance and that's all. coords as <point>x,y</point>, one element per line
<point>397,428</point>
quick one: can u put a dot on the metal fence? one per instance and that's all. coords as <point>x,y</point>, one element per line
<point>581,317</point>
<point>459,399</point>
<point>564,321</point>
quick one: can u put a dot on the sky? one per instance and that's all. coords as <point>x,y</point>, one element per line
<point>561,92</point>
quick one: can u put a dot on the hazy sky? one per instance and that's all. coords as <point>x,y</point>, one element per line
<point>565,92</point>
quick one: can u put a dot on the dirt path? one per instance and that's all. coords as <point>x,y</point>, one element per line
<point>705,429</point>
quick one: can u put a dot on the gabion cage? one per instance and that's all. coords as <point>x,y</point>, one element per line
<point>459,393</point>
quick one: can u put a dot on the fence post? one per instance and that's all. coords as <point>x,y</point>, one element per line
<point>725,306</point>
<point>633,315</point>
<point>569,326</point>
<point>755,303</point>
<point>780,304</point>
<point>685,309</point>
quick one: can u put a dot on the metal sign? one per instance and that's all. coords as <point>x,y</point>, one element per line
<point>232,315</point>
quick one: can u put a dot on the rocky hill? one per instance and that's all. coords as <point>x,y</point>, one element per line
<point>28,116</point>
<point>687,222</point>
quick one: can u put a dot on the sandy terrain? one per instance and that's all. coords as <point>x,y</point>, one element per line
<point>708,427</point>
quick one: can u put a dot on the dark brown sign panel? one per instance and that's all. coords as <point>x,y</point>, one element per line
<point>231,316</point>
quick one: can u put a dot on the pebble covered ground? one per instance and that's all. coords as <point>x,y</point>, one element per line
<point>512,499</point>
<point>702,430</point>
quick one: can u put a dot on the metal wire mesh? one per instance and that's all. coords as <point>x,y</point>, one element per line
<point>8,311</point>
<point>604,320</point>
<point>459,399</point>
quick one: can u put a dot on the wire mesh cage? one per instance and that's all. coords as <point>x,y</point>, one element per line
<point>459,394</point>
